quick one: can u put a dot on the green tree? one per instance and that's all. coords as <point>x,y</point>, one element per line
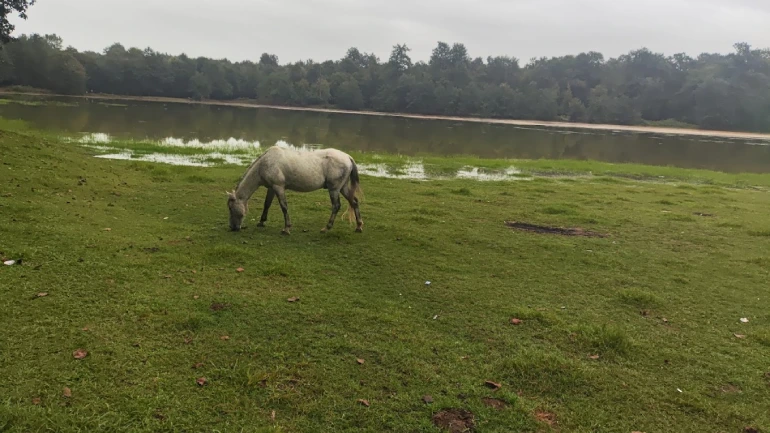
<point>320,92</point>
<point>200,86</point>
<point>723,91</point>
<point>349,96</point>
<point>7,7</point>
<point>67,75</point>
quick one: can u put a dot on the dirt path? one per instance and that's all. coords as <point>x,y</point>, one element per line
<point>536,123</point>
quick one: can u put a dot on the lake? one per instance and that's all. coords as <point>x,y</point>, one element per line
<point>393,135</point>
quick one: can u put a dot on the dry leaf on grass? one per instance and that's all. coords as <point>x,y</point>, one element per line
<point>741,336</point>
<point>197,365</point>
<point>360,361</point>
<point>272,415</point>
<point>108,229</point>
<point>240,270</point>
<point>36,401</point>
<point>293,299</point>
<point>224,337</point>
<point>516,321</point>
<point>494,385</point>
<point>42,295</point>
<point>363,402</point>
<point>427,399</point>
<point>67,392</point>
<point>594,357</point>
<point>201,381</point>
<point>79,354</point>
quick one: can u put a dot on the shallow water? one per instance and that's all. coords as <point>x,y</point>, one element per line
<point>215,153</point>
<point>227,129</point>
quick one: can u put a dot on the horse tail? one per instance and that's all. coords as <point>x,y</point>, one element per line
<point>356,192</point>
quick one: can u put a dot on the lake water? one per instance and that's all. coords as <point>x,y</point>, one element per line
<point>188,122</point>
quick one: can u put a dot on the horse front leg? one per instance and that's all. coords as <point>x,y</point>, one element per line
<point>334,195</point>
<point>268,201</point>
<point>280,192</point>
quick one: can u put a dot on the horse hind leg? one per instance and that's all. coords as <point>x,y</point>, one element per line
<point>350,196</point>
<point>334,196</point>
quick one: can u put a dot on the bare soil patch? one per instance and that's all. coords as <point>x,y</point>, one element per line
<point>494,403</point>
<point>570,231</point>
<point>454,420</point>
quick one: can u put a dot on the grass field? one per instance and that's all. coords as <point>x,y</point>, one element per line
<point>133,263</point>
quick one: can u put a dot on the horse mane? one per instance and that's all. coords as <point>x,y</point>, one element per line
<point>248,170</point>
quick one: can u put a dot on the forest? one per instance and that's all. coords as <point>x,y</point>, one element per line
<point>710,91</point>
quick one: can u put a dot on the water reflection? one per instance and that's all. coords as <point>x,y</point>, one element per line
<point>411,137</point>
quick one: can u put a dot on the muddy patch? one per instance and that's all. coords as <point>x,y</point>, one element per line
<point>494,403</point>
<point>454,420</point>
<point>545,417</point>
<point>571,231</point>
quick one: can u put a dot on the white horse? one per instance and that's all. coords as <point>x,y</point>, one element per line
<point>280,169</point>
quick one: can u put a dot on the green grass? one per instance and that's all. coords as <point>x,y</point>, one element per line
<point>152,297</point>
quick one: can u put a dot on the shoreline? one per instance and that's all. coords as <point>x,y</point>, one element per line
<point>513,122</point>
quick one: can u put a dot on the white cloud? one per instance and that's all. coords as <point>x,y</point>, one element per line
<point>325,29</point>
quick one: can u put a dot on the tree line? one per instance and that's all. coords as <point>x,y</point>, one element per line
<point>712,91</point>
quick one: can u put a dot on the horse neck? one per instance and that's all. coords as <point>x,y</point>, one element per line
<point>249,184</point>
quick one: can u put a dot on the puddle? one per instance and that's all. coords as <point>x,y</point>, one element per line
<point>481,174</point>
<point>203,160</point>
<point>413,170</point>
<point>230,143</point>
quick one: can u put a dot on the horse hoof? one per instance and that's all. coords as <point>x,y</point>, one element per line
<point>359,229</point>
<point>285,232</point>
<point>260,224</point>
<point>324,230</point>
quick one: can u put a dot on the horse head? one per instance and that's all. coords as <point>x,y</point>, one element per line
<point>238,209</point>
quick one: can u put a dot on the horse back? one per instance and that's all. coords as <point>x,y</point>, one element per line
<point>306,171</point>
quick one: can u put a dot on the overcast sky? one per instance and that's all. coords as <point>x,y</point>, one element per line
<point>325,29</point>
